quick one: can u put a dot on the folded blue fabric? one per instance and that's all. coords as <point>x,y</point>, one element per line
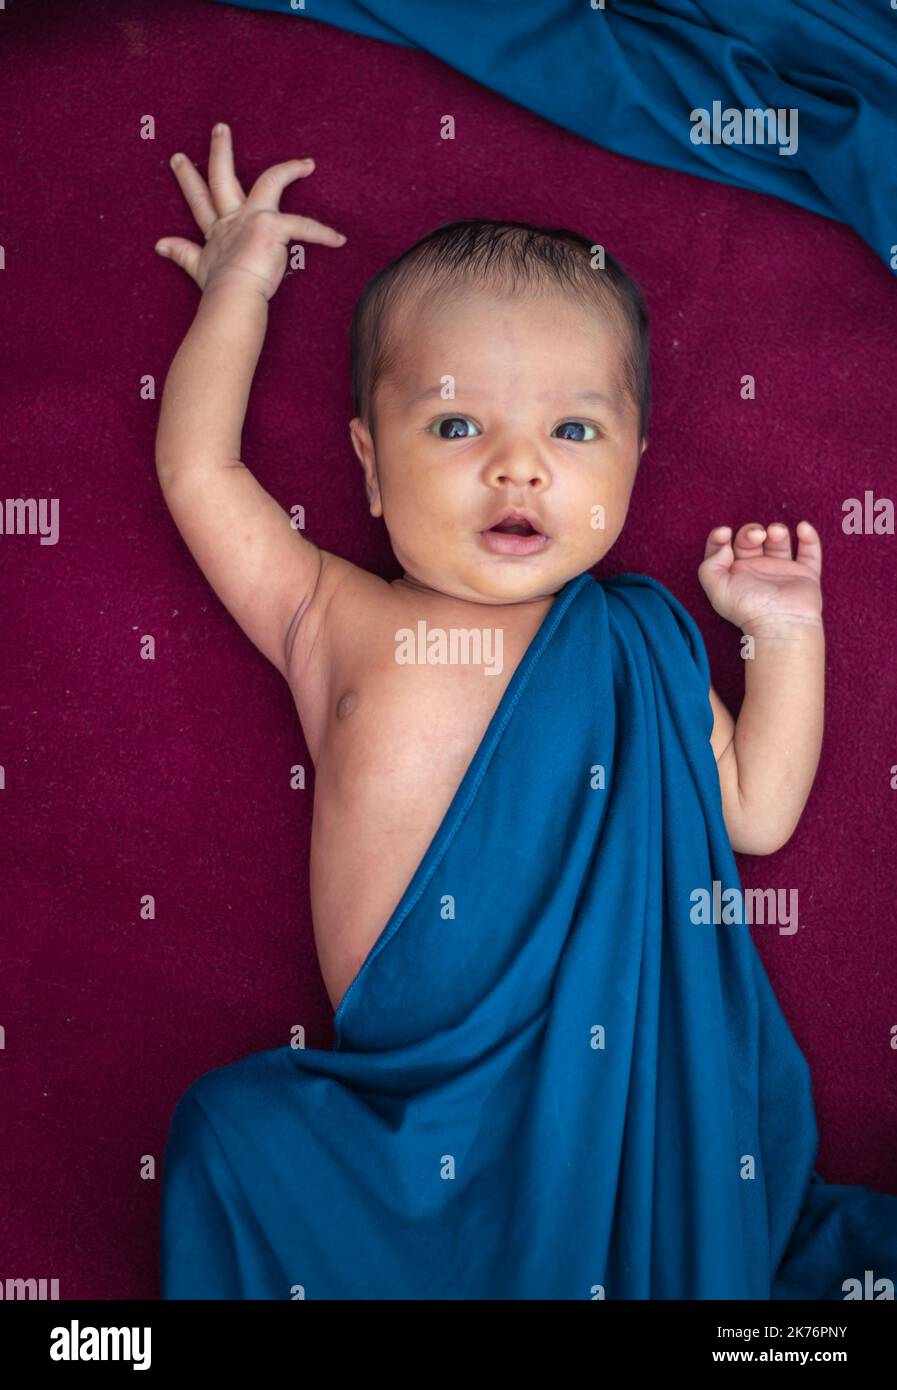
<point>549,1079</point>
<point>629,77</point>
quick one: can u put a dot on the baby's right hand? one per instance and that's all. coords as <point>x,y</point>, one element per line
<point>244,236</point>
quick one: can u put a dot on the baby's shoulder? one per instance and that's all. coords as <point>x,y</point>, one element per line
<point>346,610</point>
<point>345,592</point>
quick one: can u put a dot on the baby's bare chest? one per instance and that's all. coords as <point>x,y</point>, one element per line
<point>401,737</point>
<point>394,746</point>
<point>408,701</point>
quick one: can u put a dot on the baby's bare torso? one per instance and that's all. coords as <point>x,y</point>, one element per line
<point>390,743</point>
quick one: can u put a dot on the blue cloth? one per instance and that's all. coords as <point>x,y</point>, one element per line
<point>628,77</point>
<point>547,1080</point>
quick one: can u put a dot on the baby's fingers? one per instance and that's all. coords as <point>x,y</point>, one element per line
<point>809,547</point>
<point>298,228</point>
<point>717,560</point>
<point>193,187</point>
<point>224,186</point>
<point>718,539</point>
<point>778,541</point>
<point>265,195</point>
<point>184,253</point>
<point>268,187</point>
<point>748,542</point>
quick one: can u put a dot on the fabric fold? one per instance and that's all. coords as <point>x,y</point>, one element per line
<point>629,76</point>
<point>550,1078</point>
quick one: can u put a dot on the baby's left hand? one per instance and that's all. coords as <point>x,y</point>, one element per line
<point>757,583</point>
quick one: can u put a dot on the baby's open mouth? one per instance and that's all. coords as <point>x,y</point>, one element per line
<point>515,528</point>
<point>514,534</point>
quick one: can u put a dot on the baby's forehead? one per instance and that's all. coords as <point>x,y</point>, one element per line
<point>480,333</point>
<point>428,306</point>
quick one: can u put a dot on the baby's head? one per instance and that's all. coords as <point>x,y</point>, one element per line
<point>496,367</point>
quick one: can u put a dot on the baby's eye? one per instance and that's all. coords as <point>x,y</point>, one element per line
<point>451,427</point>
<point>577,425</point>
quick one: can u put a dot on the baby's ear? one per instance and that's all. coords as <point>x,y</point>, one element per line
<point>363,445</point>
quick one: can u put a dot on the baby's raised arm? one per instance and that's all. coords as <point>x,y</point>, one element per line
<point>767,759</point>
<point>263,570</point>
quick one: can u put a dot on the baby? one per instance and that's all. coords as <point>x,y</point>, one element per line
<point>502,393</point>
<point>550,1078</point>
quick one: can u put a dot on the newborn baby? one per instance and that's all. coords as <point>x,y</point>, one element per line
<point>554,1075</point>
<point>502,390</point>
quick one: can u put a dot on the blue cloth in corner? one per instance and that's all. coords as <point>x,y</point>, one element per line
<point>547,1080</point>
<point>628,77</point>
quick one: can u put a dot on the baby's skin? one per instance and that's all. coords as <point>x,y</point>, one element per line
<point>536,424</point>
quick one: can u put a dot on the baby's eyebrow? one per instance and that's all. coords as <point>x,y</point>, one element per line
<point>601,397</point>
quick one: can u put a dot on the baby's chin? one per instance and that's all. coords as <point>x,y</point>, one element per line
<point>508,582</point>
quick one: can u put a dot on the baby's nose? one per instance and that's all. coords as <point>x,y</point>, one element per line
<point>522,467</point>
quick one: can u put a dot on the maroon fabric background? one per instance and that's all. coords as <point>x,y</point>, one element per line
<point>170,777</point>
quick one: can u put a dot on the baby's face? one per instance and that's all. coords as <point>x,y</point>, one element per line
<point>531,418</point>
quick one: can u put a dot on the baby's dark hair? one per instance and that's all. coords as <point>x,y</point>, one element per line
<point>506,256</point>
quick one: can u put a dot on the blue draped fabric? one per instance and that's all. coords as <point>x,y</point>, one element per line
<point>548,1080</point>
<point>628,77</point>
